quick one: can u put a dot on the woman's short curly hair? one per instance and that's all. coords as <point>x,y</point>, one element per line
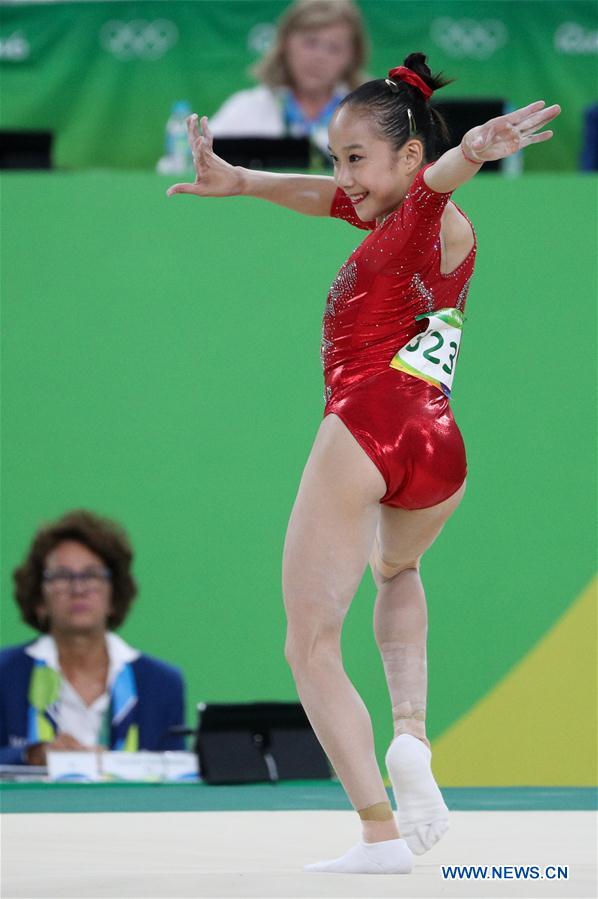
<point>102,536</point>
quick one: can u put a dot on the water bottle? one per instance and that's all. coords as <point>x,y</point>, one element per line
<point>178,158</point>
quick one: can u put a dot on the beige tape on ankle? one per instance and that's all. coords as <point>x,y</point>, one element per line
<point>416,714</point>
<point>381,811</point>
<point>409,720</point>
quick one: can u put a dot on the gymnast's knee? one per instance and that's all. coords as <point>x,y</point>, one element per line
<point>305,647</point>
<point>383,570</point>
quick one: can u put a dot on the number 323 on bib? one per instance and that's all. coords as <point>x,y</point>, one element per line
<point>432,354</point>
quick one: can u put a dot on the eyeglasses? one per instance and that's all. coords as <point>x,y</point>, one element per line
<point>61,580</point>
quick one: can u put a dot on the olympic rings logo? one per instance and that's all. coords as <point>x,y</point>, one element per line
<point>469,37</point>
<point>15,48</point>
<point>572,38</point>
<point>138,39</point>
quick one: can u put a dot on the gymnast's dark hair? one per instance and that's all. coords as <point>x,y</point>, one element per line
<point>401,111</point>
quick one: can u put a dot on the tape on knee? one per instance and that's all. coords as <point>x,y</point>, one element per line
<point>381,811</point>
<point>389,570</point>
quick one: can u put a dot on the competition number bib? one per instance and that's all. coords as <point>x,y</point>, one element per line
<point>432,354</point>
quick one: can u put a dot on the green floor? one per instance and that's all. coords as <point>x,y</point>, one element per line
<point>293,795</point>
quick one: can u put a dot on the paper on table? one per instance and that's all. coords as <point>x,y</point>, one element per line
<point>73,766</point>
<point>150,767</point>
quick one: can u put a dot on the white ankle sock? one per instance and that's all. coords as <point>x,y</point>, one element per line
<point>422,813</point>
<point>387,857</point>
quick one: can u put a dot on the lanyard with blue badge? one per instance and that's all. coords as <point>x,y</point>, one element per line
<point>297,124</point>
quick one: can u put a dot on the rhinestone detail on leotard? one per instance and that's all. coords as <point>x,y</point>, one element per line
<point>460,304</point>
<point>341,291</point>
<point>426,293</point>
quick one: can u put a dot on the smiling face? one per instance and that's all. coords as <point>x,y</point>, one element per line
<point>374,175</point>
<point>74,605</point>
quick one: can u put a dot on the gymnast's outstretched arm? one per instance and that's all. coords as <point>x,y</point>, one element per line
<point>495,139</point>
<point>309,194</point>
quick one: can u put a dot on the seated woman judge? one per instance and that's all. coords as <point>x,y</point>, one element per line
<point>317,57</point>
<point>78,685</point>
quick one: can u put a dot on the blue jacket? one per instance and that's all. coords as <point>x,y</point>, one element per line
<point>160,703</point>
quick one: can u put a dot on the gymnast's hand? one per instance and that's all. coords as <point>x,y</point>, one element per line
<point>213,176</point>
<point>507,134</point>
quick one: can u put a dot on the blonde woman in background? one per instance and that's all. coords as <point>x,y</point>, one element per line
<point>316,59</point>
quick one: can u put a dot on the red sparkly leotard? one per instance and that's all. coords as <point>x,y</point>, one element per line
<point>403,423</point>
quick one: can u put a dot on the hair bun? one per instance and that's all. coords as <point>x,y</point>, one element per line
<point>417,63</point>
<point>402,73</point>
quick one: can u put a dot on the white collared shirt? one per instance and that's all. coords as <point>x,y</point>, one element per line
<point>258,112</point>
<point>74,716</point>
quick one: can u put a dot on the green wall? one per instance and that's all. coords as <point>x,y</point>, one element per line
<point>103,76</point>
<point>161,366</point>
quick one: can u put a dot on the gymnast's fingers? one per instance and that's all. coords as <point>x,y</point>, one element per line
<point>181,189</point>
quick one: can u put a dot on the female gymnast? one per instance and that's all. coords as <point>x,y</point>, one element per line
<point>388,466</point>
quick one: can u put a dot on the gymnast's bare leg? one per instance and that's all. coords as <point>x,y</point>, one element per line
<point>400,626</point>
<point>328,543</point>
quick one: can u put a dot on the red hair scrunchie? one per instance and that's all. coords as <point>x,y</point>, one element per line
<point>412,78</point>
